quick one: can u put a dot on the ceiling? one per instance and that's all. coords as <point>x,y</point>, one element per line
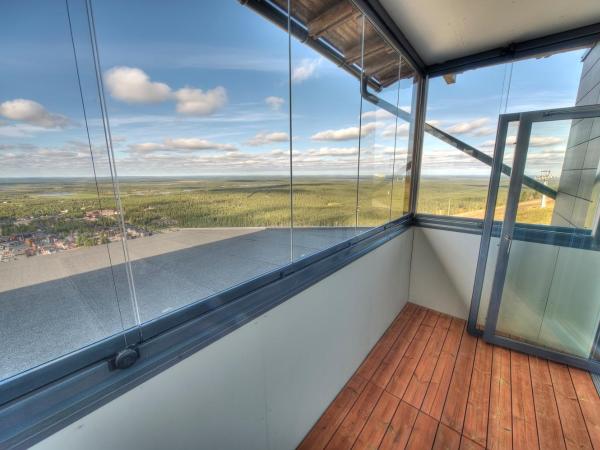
<point>441,30</point>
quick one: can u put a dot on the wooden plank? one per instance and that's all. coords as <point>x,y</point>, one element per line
<point>571,417</point>
<point>387,367</point>
<point>385,343</point>
<point>339,12</point>
<point>446,438</point>
<point>431,318</point>
<point>357,383</point>
<point>476,416</point>
<point>403,373</point>
<point>333,416</point>
<point>546,412</point>
<point>400,427</point>
<point>433,404</point>
<point>589,402</point>
<point>453,414</point>
<point>354,54</point>
<point>371,435</point>
<point>358,415</point>
<point>417,388</point>
<point>468,444</point>
<point>423,433</point>
<point>500,413</point>
<point>387,62</point>
<point>525,436</point>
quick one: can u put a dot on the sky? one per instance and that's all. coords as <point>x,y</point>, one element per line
<point>202,89</point>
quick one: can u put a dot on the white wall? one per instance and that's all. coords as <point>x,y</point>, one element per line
<point>443,270</point>
<point>264,385</point>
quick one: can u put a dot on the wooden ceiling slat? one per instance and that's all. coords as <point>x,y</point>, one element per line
<point>381,63</point>
<point>353,55</point>
<point>335,14</point>
<point>339,22</point>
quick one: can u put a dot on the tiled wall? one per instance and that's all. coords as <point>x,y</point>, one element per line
<point>580,179</point>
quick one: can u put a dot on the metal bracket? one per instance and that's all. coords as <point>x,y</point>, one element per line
<point>124,359</point>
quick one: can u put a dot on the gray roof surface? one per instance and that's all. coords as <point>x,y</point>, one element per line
<point>52,305</point>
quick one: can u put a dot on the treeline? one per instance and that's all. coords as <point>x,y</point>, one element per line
<point>155,205</point>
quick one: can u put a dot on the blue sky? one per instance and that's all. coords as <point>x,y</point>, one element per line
<point>202,89</point>
<point>469,109</point>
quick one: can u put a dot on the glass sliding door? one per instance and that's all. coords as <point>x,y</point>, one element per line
<point>495,208</point>
<point>545,294</point>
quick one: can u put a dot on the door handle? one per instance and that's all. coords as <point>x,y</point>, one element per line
<point>506,237</point>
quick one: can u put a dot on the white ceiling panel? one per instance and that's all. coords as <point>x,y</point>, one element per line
<point>441,30</point>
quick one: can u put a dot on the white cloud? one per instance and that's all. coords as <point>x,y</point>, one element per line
<point>378,114</point>
<point>192,163</point>
<point>68,159</point>
<point>197,144</point>
<point>275,103</point>
<point>534,141</point>
<point>333,151</point>
<point>386,129</point>
<point>32,113</point>
<point>133,85</point>
<point>181,144</point>
<point>267,138</point>
<point>382,114</point>
<point>549,156</point>
<point>538,141</point>
<point>475,127</point>
<point>22,130</point>
<point>400,130</point>
<point>435,159</point>
<point>344,134</point>
<point>305,69</point>
<point>147,147</point>
<point>196,102</point>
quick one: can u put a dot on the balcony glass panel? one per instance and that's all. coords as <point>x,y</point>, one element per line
<point>325,121</point>
<point>200,122</point>
<point>63,278</point>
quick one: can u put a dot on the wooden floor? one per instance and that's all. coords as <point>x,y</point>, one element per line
<point>428,383</point>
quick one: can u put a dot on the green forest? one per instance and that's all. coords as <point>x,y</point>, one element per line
<point>152,204</point>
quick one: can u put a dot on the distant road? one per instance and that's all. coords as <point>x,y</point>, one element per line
<point>54,304</point>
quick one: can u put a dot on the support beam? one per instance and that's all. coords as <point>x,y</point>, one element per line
<point>455,142</point>
<point>336,14</point>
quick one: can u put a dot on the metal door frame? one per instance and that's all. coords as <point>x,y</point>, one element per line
<point>526,120</point>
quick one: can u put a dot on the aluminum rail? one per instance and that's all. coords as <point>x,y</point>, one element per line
<point>454,142</point>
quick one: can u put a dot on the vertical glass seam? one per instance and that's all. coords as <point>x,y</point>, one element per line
<point>87,131</point>
<point>289,33</point>
<point>112,164</point>
<point>362,74</point>
<point>395,139</point>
